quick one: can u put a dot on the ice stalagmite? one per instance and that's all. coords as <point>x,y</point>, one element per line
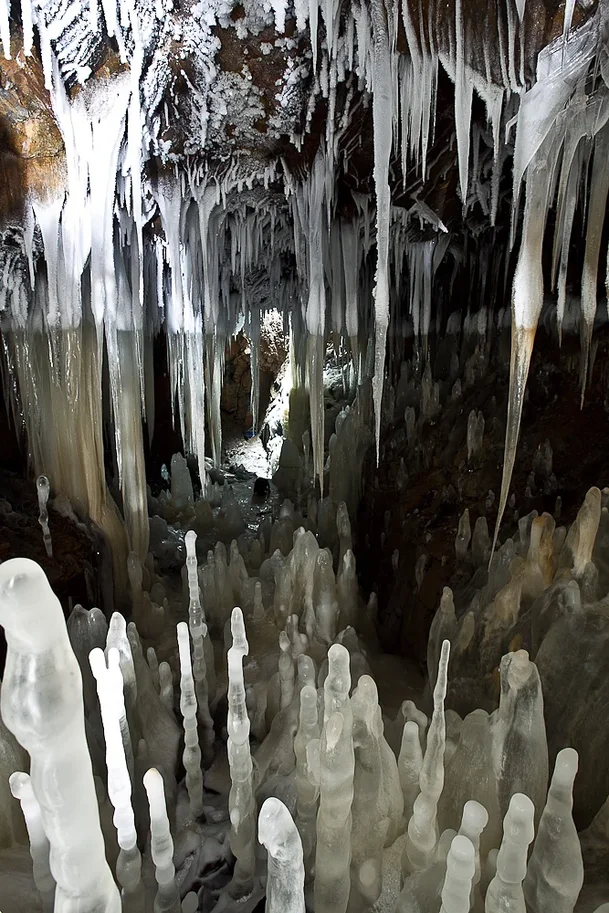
<point>307,780</point>
<point>504,893</point>
<point>110,690</point>
<point>422,827</point>
<point>188,708</point>
<point>555,872</point>
<point>242,805</point>
<point>333,858</point>
<point>167,898</point>
<point>460,868</point>
<point>382,108</point>
<point>410,762</point>
<point>21,788</point>
<point>198,632</point>
<point>43,488</point>
<point>42,705</point>
<point>519,745</point>
<point>285,868</point>
<point>371,798</point>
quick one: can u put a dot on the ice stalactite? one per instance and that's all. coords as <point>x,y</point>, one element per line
<point>56,743</point>
<point>527,301</point>
<point>599,188</point>
<point>382,108</point>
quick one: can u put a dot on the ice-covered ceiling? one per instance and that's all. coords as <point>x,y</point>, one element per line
<point>187,166</point>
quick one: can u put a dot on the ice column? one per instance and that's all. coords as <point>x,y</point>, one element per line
<point>43,488</point>
<point>556,871</point>
<point>422,827</point>
<point>285,867</point>
<point>42,705</point>
<point>161,845</point>
<point>21,788</point>
<point>188,707</point>
<point>505,890</point>
<point>110,691</point>
<point>241,803</point>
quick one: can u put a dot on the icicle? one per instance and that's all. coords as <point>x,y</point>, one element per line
<point>599,187</point>
<point>5,27</point>
<point>382,107</point>
<point>520,5</point>
<point>463,102</point>
<point>28,26</point>
<point>527,301</point>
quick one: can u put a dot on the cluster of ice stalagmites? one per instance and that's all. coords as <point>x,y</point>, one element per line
<point>450,805</point>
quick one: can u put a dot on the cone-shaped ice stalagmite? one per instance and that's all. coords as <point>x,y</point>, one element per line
<point>422,827</point>
<point>577,550</point>
<point>504,893</point>
<point>42,705</point>
<point>285,867</point>
<point>333,858</point>
<point>460,868</point>
<point>167,898</point>
<point>21,788</point>
<point>519,746</point>
<point>373,798</point>
<point>338,681</point>
<point>242,805</point>
<point>555,872</point>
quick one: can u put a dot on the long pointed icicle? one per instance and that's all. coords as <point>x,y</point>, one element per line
<point>599,187</point>
<point>382,107</point>
<point>527,301</point>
